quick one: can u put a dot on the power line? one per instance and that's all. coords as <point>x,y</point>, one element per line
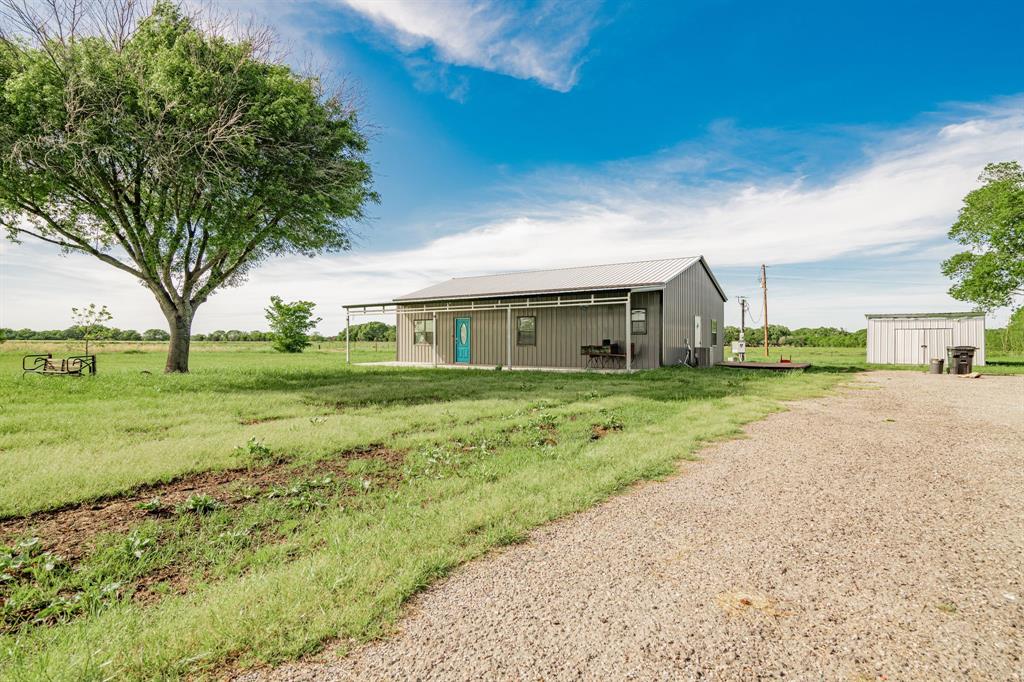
<point>857,280</point>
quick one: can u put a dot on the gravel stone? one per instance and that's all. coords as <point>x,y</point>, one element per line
<point>875,532</point>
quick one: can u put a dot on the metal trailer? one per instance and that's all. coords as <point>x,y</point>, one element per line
<point>919,338</point>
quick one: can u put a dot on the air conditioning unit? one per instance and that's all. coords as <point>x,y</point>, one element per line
<point>703,356</point>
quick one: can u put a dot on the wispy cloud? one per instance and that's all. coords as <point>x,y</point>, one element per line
<point>906,191</point>
<point>541,41</point>
<point>864,239</point>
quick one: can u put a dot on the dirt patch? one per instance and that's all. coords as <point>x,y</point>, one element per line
<point>152,587</point>
<point>70,532</point>
<point>599,431</point>
<point>548,434</point>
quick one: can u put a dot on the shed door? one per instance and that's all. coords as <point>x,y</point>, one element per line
<point>911,347</point>
<point>462,339</point>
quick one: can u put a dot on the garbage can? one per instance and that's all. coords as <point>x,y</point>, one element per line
<point>936,366</point>
<point>961,359</point>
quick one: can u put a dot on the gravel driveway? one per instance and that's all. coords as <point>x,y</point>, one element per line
<point>876,532</point>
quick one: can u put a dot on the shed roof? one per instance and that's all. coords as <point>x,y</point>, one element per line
<point>586,278</point>
<point>873,316</point>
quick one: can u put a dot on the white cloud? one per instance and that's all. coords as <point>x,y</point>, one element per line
<point>542,43</point>
<point>904,198</point>
<point>882,223</point>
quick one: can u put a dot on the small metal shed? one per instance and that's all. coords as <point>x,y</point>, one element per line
<point>917,338</point>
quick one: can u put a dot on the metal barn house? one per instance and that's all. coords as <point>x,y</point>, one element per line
<point>917,338</point>
<point>623,316</point>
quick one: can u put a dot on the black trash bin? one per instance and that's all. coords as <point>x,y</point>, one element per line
<point>961,359</point>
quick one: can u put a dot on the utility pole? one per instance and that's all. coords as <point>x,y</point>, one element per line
<point>764,293</point>
<point>743,316</point>
<point>743,327</point>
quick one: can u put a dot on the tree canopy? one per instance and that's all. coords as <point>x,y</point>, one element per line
<point>370,331</point>
<point>180,156</point>
<point>990,273</point>
<point>291,324</point>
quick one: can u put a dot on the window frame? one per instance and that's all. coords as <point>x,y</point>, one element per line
<point>520,332</point>
<point>633,322</point>
<point>714,332</point>
<point>427,332</point>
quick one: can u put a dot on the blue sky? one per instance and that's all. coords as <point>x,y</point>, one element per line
<point>832,141</point>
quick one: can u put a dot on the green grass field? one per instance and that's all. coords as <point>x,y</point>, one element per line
<point>347,490</point>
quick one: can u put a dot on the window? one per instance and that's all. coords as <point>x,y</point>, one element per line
<point>526,331</point>
<point>639,317</point>
<point>714,332</point>
<point>423,332</point>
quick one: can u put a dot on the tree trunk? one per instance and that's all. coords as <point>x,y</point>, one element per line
<point>181,337</point>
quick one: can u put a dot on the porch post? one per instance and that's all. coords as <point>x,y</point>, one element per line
<point>629,330</point>
<point>434,317</point>
<point>508,341</point>
<point>348,323</point>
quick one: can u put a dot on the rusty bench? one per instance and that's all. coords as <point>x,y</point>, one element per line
<point>45,364</point>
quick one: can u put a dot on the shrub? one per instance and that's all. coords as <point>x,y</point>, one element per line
<point>291,324</point>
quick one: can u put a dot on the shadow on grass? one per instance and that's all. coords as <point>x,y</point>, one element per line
<point>419,386</point>
<point>1006,362</point>
<point>340,387</point>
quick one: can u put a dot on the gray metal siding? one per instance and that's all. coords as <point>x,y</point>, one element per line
<point>560,333</point>
<point>899,340</point>
<point>690,294</point>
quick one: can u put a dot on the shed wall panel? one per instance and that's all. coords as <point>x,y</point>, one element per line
<point>690,294</point>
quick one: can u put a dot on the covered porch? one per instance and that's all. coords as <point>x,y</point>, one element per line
<point>498,328</point>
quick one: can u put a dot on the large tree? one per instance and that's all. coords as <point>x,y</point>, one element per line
<point>990,273</point>
<point>169,151</point>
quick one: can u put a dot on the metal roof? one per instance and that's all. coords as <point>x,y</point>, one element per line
<point>872,316</point>
<point>586,278</point>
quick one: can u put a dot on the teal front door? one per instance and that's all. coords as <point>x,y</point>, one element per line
<point>462,340</point>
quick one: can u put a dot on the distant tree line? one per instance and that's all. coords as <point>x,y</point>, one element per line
<point>781,335</point>
<point>78,332</point>
<point>235,335</point>
<point>370,331</point>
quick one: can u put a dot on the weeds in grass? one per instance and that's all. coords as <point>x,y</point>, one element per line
<point>198,504</point>
<point>305,496</point>
<point>546,427</point>
<point>255,448</point>
<point>38,588</point>
<point>152,506</point>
